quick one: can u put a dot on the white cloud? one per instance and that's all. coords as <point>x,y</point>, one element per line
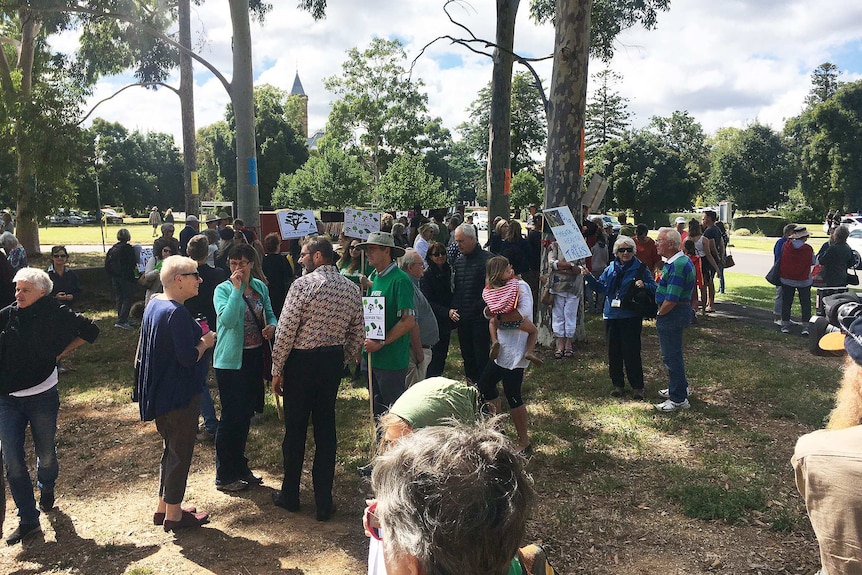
<point>727,63</point>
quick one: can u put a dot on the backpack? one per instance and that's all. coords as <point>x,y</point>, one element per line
<point>112,261</point>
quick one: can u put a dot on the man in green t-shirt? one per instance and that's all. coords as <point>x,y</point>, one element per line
<point>388,358</point>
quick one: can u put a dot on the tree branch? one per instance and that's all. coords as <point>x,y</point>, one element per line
<point>144,27</point>
<point>123,89</point>
<point>6,82</point>
<point>473,39</point>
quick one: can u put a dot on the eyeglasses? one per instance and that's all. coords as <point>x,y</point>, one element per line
<point>369,517</point>
<point>625,250</point>
<point>238,263</point>
<point>354,247</point>
<point>196,274</point>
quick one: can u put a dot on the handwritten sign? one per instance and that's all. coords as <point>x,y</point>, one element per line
<point>296,223</point>
<point>567,233</point>
<point>360,224</point>
<point>146,254</point>
<point>374,312</point>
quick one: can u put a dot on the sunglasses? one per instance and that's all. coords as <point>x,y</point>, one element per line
<point>196,274</point>
<point>438,254</point>
<point>372,522</point>
<point>60,256</point>
<point>625,250</point>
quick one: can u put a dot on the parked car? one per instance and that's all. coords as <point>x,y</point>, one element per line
<point>480,220</point>
<point>86,217</point>
<point>606,218</point>
<point>855,243</point>
<point>111,216</point>
<point>64,219</point>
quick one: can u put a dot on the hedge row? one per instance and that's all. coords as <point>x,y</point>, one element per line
<point>771,226</point>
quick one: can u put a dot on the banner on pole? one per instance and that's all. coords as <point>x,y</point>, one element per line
<point>567,232</point>
<point>296,223</point>
<point>360,224</point>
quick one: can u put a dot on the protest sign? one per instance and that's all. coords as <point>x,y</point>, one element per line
<point>296,223</point>
<point>360,224</point>
<point>567,233</point>
<point>374,313</point>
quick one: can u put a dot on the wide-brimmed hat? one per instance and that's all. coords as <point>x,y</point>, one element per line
<point>223,216</point>
<point>384,239</point>
<point>212,218</point>
<point>799,233</point>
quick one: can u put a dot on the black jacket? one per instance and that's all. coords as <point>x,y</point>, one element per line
<point>33,337</point>
<point>835,259</point>
<point>202,304</point>
<point>469,282</point>
<point>437,289</point>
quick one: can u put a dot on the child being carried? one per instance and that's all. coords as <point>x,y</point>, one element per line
<point>501,296</point>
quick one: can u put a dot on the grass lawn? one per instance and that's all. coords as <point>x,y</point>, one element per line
<point>620,485</point>
<point>90,234</point>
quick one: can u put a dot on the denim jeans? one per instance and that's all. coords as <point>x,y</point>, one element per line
<point>40,411</point>
<point>670,327</point>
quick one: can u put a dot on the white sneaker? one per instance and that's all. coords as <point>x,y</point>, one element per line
<point>665,393</point>
<point>777,321</point>
<point>671,405</point>
<point>785,329</point>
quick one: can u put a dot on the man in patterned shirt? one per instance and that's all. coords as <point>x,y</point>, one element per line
<point>673,297</point>
<point>319,331</point>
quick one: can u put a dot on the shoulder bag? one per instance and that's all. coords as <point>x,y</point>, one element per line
<point>728,259</point>
<point>640,299</point>
<point>267,343</point>
<point>774,274</point>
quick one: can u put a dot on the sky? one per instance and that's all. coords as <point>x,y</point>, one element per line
<point>727,63</point>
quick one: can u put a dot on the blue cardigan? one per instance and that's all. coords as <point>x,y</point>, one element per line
<point>170,373</point>
<point>614,283</point>
<point>230,325</point>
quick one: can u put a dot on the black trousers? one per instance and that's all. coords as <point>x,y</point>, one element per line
<point>238,391</point>
<point>439,352</point>
<point>624,348</point>
<point>475,341</point>
<point>311,380</point>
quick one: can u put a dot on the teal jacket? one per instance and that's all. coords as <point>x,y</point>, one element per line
<point>230,323</point>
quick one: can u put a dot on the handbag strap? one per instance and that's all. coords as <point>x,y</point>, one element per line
<point>257,321</point>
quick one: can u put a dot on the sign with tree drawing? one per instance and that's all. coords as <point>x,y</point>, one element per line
<point>296,223</point>
<point>374,312</point>
<point>360,224</point>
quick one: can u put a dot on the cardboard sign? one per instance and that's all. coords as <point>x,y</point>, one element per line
<point>296,223</point>
<point>567,233</point>
<point>374,313</point>
<point>360,224</point>
<point>595,193</point>
<point>146,254</point>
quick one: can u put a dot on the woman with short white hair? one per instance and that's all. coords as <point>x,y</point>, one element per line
<point>37,331</point>
<point>623,326</point>
<point>170,378</point>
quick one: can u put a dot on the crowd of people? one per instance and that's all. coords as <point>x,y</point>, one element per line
<point>221,298</point>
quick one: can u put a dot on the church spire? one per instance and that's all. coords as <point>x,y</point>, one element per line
<point>297,87</point>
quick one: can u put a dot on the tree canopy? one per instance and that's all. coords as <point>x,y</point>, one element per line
<point>529,126</point>
<point>752,167</point>
<point>380,111</point>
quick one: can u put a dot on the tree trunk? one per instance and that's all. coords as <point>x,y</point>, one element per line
<point>242,98</point>
<point>26,227</point>
<point>187,109</point>
<point>500,129</point>
<point>566,111</point>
